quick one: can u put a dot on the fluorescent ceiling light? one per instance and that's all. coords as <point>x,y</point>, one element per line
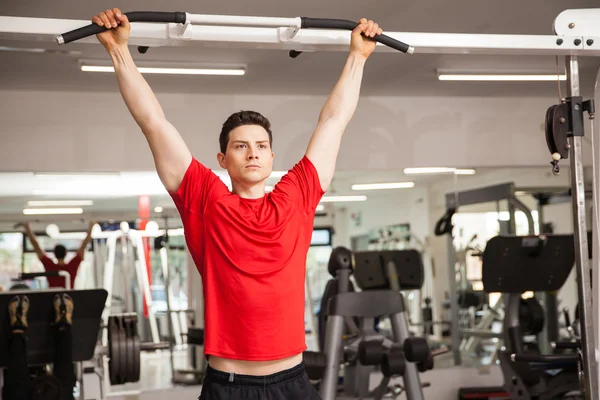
<point>438,170</point>
<point>501,77</point>
<point>378,186</point>
<point>173,71</point>
<point>336,199</point>
<point>320,207</point>
<point>158,209</point>
<point>464,171</point>
<point>48,211</point>
<point>55,175</point>
<point>45,203</point>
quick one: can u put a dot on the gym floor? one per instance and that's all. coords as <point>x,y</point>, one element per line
<point>155,382</point>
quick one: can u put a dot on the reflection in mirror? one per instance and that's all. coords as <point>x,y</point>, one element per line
<point>484,207</point>
<point>148,271</point>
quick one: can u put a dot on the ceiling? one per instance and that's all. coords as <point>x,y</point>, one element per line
<point>274,72</point>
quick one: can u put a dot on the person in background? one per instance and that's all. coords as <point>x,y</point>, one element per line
<point>60,252</point>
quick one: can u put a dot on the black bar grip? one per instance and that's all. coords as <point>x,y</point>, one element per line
<point>326,23</point>
<point>567,317</point>
<point>567,345</point>
<point>151,346</point>
<point>134,16</point>
<point>544,359</point>
<point>33,275</point>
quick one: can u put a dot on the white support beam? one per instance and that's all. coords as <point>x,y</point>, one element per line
<point>595,261</point>
<point>583,22</point>
<point>160,34</point>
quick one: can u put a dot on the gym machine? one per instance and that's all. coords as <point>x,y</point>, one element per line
<point>513,265</point>
<point>89,305</point>
<point>35,275</point>
<point>572,37</point>
<point>123,347</point>
<point>496,193</point>
<point>381,275</point>
<point>130,239</point>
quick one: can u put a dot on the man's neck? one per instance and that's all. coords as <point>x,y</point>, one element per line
<point>255,191</point>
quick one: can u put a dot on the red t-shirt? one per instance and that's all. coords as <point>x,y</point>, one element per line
<point>251,255</point>
<point>71,267</point>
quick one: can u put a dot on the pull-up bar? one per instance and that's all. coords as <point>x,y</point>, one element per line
<point>577,33</point>
<point>310,34</point>
<point>183,18</point>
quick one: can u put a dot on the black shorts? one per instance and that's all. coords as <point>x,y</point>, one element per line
<point>291,384</point>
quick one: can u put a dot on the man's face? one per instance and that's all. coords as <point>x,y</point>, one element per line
<point>249,158</point>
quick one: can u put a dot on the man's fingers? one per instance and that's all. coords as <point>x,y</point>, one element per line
<point>375,30</point>
<point>105,21</point>
<point>111,18</point>
<point>124,20</point>
<point>97,21</point>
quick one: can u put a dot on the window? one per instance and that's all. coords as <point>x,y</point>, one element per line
<point>11,258</point>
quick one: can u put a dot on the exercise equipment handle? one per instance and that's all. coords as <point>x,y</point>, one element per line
<point>326,23</point>
<point>444,224</point>
<point>32,275</point>
<point>150,346</point>
<point>567,345</point>
<point>544,359</point>
<point>133,16</point>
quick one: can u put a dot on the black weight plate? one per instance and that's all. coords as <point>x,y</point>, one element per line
<point>122,355</point>
<point>549,129</point>
<point>136,359</point>
<point>133,350</point>
<point>132,375</point>
<point>128,359</point>
<point>113,338</point>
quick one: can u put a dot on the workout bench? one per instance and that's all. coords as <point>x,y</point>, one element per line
<point>41,337</point>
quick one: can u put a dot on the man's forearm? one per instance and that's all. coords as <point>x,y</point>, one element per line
<point>138,96</point>
<point>343,100</point>
<point>32,239</point>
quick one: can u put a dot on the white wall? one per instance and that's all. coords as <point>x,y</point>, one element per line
<point>398,207</point>
<point>73,131</point>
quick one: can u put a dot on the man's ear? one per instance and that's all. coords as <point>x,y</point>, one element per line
<point>221,160</point>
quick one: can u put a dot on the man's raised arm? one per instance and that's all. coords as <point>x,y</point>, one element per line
<point>171,155</point>
<point>325,142</point>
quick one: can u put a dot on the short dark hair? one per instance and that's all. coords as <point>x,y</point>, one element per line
<point>243,118</point>
<point>60,251</point>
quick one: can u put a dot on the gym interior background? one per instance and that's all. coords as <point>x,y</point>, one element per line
<point>66,135</point>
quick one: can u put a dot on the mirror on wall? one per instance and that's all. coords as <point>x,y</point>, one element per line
<point>364,211</point>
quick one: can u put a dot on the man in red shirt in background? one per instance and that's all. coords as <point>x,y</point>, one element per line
<point>60,252</point>
<point>249,247</point>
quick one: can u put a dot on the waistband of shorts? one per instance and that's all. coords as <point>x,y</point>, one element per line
<point>231,378</point>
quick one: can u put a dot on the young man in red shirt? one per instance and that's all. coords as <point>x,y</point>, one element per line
<point>60,252</point>
<point>249,247</point>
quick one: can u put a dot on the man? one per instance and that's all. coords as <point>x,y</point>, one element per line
<point>60,252</point>
<point>249,247</point>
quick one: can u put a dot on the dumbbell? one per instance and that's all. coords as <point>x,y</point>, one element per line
<point>373,352</point>
<point>416,350</point>
<point>394,362</point>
